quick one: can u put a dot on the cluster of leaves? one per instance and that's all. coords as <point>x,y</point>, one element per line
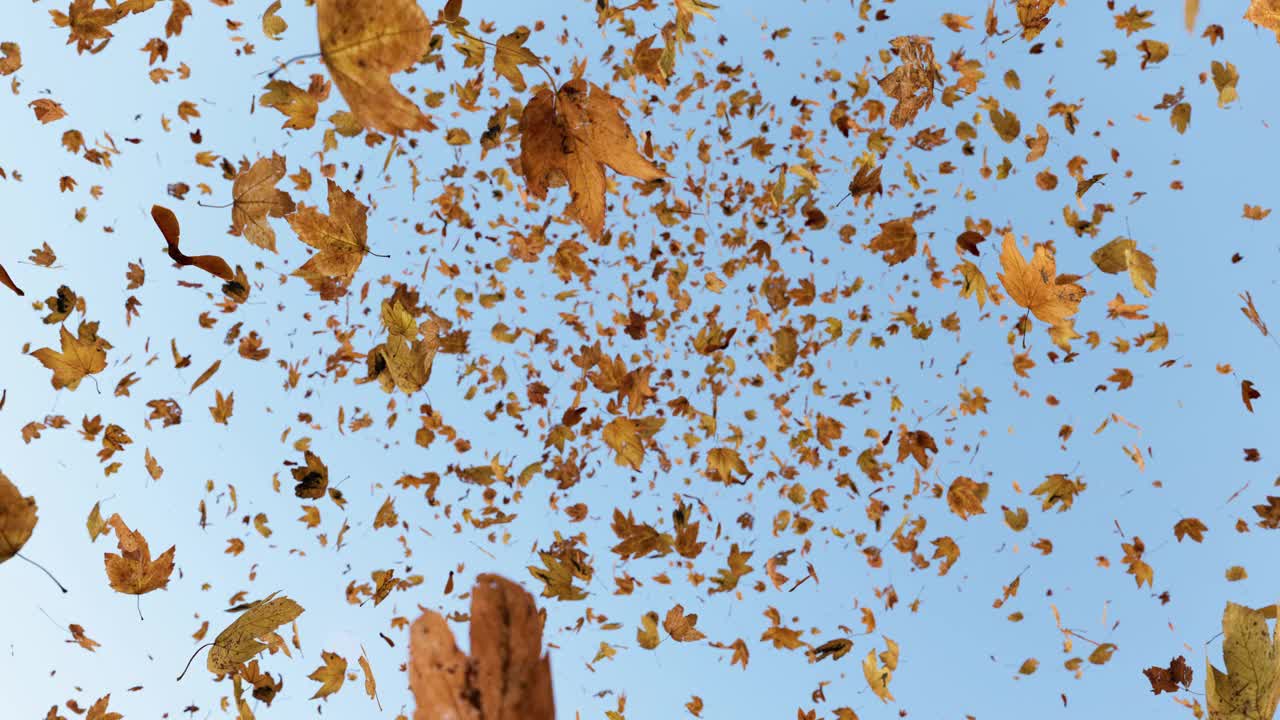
<point>672,327</point>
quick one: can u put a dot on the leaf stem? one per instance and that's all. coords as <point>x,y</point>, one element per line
<point>42,568</point>
<point>292,60</point>
<point>193,657</point>
<point>202,204</point>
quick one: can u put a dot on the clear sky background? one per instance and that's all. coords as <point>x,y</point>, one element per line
<point>959,655</point>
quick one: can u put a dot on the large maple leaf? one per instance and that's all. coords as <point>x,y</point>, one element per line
<point>1036,286</point>
<point>341,237</point>
<point>569,136</point>
<point>363,44</point>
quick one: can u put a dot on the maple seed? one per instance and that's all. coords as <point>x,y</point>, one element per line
<point>168,224</point>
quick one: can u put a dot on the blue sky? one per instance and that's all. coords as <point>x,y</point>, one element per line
<point>959,655</point>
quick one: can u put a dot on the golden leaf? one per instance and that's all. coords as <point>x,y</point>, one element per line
<point>363,44</point>
<point>17,518</point>
<point>240,641</point>
<point>507,676</point>
<point>133,572</point>
<point>341,238</point>
<point>82,354</point>
<point>1036,286</point>
<point>569,136</point>
<point>330,675</point>
<point>681,627</point>
<point>254,197</point>
<point>1250,688</point>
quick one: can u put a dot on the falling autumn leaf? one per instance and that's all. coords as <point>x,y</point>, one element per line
<point>17,518</point>
<point>1037,286</point>
<point>330,675</point>
<point>133,571</point>
<point>363,44</point>
<point>255,197</point>
<point>569,136</point>
<point>241,640</point>
<point>341,237</point>
<point>1250,687</point>
<point>83,354</point>
<point>506,677</point>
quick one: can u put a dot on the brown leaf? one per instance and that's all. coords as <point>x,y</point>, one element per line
<point>506,678</point>
<point>1036,286</point>
<point>17,518</point>
<point>341,238</point>
<point>255,197</point>
<point>8,282</point>
<point>1168,679</point>
<point>363,44</point>
<point>569,137</point>
<point>133,572</point>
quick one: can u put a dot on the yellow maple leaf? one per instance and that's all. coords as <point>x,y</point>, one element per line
<point>82,354</point>
<point>17,518</point>
<point>240,641</point>
<point>254,197</point>
<point>133,572</point>
<point>568,137</point>
<point>1250,688</point>
<point>341,238</point>
<point>330,675</point>
<point>1037,286</point>
<point>363,44</point>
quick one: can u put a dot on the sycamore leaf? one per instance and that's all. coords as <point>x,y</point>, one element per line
<point>133,572</point>
<point>370,684</point>
<point>98,710</point>
<point>1058,489</point>
<point>10,58</point>
<point>1190,527</point>
<point>341,238</point>
<point>1250,688</point>
<point>511,54</point>
<point>569,136</point>
<point>363,44</point>
<point>1037,286</point>
<point>240,641</point>
<point>298,105</point>
<point>897,240</point>
<point>82,354</point>
<point>17,518</point>
<point>878,671</point>
<point>254,197</point>
<point>1168,679</point>
<point>312,478</point>
<point>974,283</point>
<point>330,675</point>
<point>168,224</point>
<point>627,437</point>
<point>95,524</point>
<point>681,627</point>
<point>507,676</point>
<point>647,634</point>
<point>1122,254</point>
<point>1265,13</point>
